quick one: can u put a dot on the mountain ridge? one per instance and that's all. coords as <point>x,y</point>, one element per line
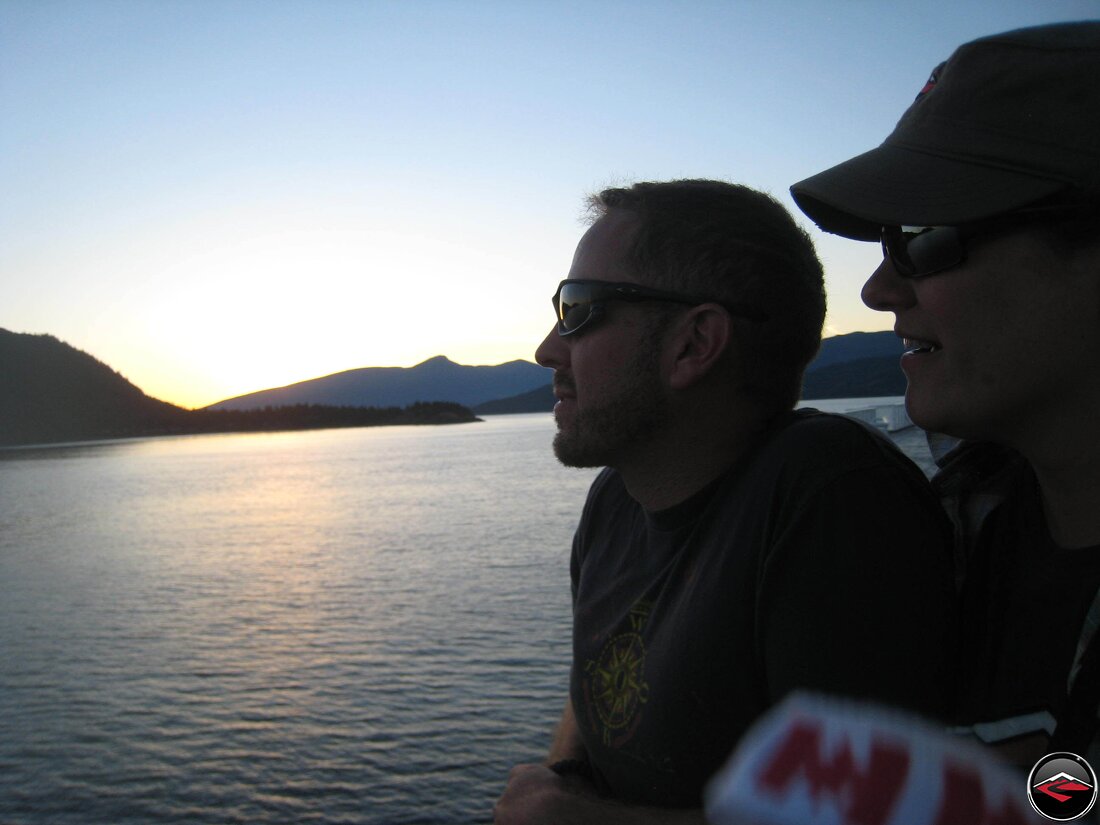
<point>50,391</point>
<point>394,386</point>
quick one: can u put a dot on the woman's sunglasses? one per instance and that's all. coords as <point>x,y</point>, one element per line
<point>580,303</point>
<point>916,251</point>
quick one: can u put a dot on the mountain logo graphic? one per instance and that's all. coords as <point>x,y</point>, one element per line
<point>1062,787</point>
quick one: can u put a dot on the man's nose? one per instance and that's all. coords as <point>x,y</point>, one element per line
<point>553,351</point>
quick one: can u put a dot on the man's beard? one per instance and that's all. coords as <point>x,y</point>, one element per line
<point>598,435</point>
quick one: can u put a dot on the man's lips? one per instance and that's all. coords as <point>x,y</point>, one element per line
<point>564,389</point>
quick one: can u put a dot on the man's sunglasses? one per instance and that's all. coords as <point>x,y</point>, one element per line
<point>579,303</point>
<point>916,251</point>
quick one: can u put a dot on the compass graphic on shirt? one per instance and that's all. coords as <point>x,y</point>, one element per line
<point>616,680</point>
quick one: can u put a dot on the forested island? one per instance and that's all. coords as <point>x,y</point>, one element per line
<point>51,392</point>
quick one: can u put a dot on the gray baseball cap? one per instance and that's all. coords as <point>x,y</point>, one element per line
<point>1008,120</point>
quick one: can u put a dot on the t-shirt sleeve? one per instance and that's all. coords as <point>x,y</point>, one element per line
<point>856,594</point>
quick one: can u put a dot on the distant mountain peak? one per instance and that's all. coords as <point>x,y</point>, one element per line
<point>437,379</point>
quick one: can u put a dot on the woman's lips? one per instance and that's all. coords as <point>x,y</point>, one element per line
<point>919,345</point>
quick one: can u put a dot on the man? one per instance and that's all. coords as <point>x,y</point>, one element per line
<point>986,199</point>
<point>734,549</point>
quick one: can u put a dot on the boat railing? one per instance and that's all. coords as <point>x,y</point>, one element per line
<point>889,417</point>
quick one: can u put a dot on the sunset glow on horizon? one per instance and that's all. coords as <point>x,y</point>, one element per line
<point>219,198</point>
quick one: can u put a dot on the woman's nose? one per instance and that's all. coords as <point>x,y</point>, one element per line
<point>886,290</point>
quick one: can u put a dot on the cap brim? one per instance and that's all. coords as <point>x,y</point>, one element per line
<point>895,186</point>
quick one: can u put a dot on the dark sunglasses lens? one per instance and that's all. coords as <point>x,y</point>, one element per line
<point>893,250</point>
<point>924,252</point>
<point>935,250</point>
<point>574,306</point>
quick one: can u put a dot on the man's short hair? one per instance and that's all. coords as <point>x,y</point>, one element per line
<point>733,244</point>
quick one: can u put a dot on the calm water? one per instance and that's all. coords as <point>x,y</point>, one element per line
<point>346,626</point>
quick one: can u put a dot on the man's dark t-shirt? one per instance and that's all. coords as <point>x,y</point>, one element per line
<point>819,561</point>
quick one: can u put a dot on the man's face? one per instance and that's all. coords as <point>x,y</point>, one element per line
<point>607,376</point>
<point>1001,346</point>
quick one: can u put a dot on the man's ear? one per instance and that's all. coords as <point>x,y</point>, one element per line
<point>698,341</point>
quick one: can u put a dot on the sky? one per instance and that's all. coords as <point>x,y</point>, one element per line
<point>220,196</point>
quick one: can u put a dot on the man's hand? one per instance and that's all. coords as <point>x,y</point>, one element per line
<point>537,796</point>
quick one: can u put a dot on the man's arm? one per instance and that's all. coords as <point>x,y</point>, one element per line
<point>567,742</point>
<point>537,796</point>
